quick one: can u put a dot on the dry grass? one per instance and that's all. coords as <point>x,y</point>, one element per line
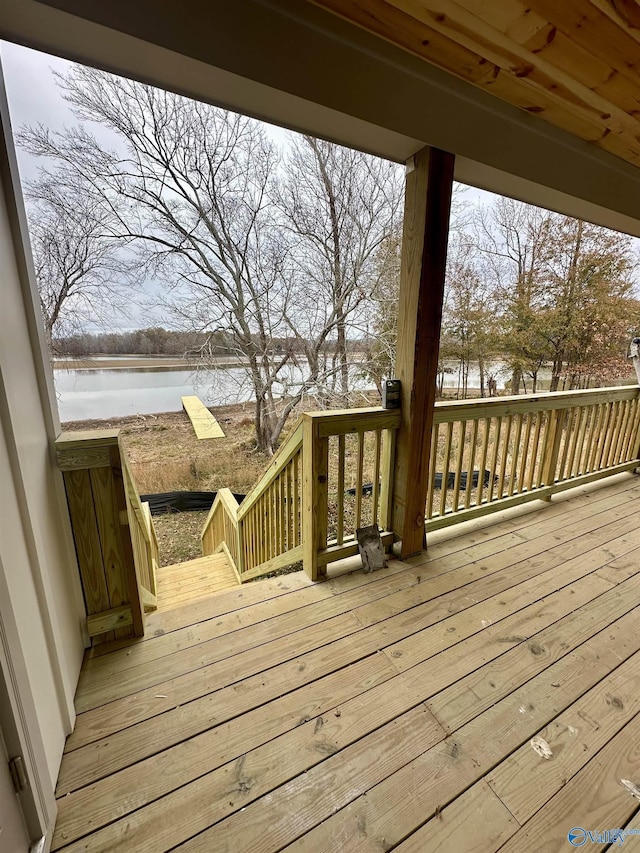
<point>179,536</point>
<point>167,456</point>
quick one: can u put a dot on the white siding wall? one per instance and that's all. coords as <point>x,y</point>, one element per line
<point>36,551</point>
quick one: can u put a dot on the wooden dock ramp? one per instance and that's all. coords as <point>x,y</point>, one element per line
<point>204,424</point>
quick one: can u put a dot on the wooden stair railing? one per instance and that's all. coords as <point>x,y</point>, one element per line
<point>115,540</point>
<point>289,504</point>
<point>264,532</point>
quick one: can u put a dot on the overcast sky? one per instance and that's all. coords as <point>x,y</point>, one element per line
<point>34,98</point>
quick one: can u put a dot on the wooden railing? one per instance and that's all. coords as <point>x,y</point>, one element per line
<point>269,518</point>
<point>220,532</point>
<point>115,540</point>
<point>488,455</point>
<point>143,538</point>
<point>299,490</point>
<point>263,534</point>
<point>348,460</point>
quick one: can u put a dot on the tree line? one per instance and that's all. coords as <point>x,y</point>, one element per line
<point>291,254</point>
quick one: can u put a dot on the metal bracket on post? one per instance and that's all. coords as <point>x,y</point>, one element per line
<point>371,548</point>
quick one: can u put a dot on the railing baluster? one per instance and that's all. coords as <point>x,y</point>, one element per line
<point>433,456</point>
<point>295,501</point>
<point>553,438</point>
<point>605,433</point>
<point>494,457</point>
<point>340,498</point>
<point>594,438</point>
<point>534,455</point>
<point>566,432</point>
<point>545,434</point>
<point>611,431</point>
<point>515,455</point>
<point>445,469</point>
<point>524,459</point>
<point>386,492</point>
<point>462,431</point>
<point>621,433</point>
<point>573,443</point>
<point>359,483</point>
<point>632,447</point>
<point>376,477</point>
<point>282,538</point>
<point>503,458</point>
<point>483,460</point>
<point>471,465</point>
<point>587,421</point>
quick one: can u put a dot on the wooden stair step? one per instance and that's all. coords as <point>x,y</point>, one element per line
<point>193,580</point>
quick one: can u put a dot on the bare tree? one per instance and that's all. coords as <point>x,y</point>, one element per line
<point>469,328</point>
<point>194,187</point>
<point>80,269</point>
<point>514,239</point>
<point>342,208</point>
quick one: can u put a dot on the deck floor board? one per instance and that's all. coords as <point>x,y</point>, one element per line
<point>379,711</point>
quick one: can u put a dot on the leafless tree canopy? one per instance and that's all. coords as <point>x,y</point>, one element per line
<point>81,271</point>
<point>274,255</point>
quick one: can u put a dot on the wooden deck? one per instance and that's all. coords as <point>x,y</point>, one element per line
<point>392,711</point>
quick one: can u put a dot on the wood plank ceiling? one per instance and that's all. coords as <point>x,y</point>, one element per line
<point>573,63</point>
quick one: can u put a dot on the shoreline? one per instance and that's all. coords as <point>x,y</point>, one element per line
<point>130,362</point>
<point>223,414</point>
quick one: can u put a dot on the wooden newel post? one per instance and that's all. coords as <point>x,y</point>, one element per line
<point>428,190</point>
<point>92,469</point>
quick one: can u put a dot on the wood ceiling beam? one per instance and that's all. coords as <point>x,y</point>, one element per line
<point>568,63</point>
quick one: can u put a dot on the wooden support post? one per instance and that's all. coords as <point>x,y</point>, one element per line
<point>424,254</point>
<point>315,498</point>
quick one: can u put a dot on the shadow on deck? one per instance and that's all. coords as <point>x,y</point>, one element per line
<point>385,711</point>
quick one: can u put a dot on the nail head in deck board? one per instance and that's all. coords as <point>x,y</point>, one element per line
<point>204,424</point>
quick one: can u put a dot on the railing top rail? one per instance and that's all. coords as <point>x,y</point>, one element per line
<point>341,421</point>
<point>87,438</point>
<point>225,497</point>
<point>455,410</point>
<point>133,498</point>
<point>283,455</point>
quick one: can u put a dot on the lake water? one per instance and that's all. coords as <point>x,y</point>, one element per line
<point>88,394</point>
